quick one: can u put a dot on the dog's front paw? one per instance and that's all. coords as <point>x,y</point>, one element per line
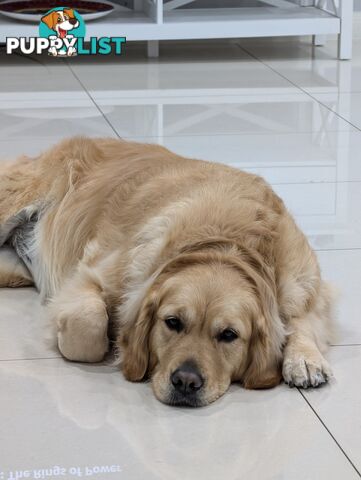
<point>300,370</point>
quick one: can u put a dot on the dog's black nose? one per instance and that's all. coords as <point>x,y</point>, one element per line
<point>187,379</point>
<point>73,21</point>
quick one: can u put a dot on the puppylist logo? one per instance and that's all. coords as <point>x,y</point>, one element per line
<point>62,34</point>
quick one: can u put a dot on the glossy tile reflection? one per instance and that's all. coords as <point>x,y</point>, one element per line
<point>312,69</point>
<point>278,157</point>
<point>41,102</point>
<point>340,268</point>
<point>34,121</point>
<point>219,114</point>
<point>34,74</point>
<point>346,105</point>
<point>327,212</point>
<point>25,332</point>
<point>100,419</point>
<point>182,68</point>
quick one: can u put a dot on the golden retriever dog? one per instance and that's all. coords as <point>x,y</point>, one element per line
<point>195,270</point>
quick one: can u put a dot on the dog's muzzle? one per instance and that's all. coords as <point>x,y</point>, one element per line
<point>186,385</point>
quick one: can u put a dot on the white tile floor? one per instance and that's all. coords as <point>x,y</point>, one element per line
<point>276,107</point>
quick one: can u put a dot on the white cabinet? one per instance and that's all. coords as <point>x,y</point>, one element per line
<point>155,20</point>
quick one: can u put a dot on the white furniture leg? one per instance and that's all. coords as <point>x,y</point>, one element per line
<point>153,48</point>
<point>345,12</point>
<point>318,40</point>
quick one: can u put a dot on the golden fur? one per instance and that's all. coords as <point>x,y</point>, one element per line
<point>133,233</point>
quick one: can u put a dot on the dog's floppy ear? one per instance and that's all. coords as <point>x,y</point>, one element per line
<point>134,343</point>
<point>268,333</point>
<point>264,362</point>
<point>70,12</point>
<point>49,20</point>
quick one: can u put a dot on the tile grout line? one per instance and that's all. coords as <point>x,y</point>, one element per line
<point>325,182</point>
<point>92,99</point>
<point>335,249</point>
<point>28,359</point>
<point>329,432</point>
<point>300,88</point>
<point>104,363</point>
<point>239,134</point>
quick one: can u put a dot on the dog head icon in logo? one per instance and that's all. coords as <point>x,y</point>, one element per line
<point>62,26</point>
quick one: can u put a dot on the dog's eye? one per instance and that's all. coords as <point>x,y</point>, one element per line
<point>59,20</point>
<point>228,335</point>
<point>174,323</point>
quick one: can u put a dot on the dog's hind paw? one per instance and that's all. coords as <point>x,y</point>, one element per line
<point>82,325</point>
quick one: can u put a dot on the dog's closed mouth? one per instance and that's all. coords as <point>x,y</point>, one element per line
<point>62,33</point>
<point>177,400</point>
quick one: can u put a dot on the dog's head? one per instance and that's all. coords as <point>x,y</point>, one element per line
<point>207,320</point>
<point>61,21</point>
